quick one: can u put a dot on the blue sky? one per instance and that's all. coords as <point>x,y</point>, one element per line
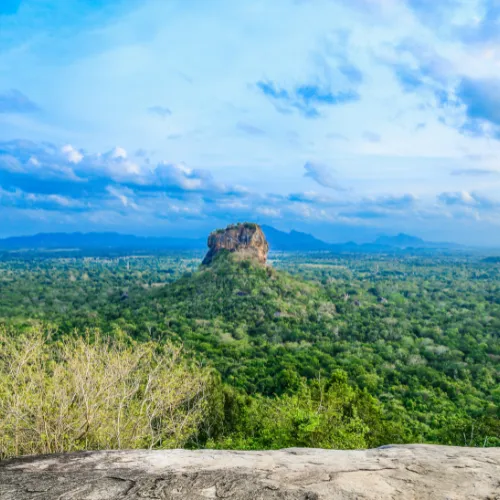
<point>344,118</point>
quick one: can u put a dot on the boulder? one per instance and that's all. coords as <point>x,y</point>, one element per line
<point>405,472</point>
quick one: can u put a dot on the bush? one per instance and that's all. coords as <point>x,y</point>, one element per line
<point>78,394</point>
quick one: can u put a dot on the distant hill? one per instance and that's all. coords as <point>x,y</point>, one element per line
<point>297,241</point>
<point>95,241</point>
<point>401,240</point>
<point>278,241</point>
<point>404,241</point>
<point>293,241</point>
<point>492,260</point>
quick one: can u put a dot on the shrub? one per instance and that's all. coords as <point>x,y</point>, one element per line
<point>82,394</point>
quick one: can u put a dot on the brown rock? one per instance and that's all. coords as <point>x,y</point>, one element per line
<point>246,239</point>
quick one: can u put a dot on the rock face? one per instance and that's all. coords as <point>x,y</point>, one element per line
<point>246,239</point>
<point>414,472</point>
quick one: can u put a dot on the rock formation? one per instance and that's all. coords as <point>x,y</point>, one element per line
<point>414,472</point>
<point>246,239</point>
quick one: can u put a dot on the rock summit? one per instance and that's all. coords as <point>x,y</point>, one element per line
<point>246,239</point>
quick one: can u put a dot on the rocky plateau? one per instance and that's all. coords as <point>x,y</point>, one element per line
<point>392,472</point>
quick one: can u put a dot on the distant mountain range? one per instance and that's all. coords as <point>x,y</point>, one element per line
<point>295,240</point>
<point>278,241</point>
<point>96,241</point>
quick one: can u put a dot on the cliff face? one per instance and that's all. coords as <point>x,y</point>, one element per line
<point>403,472</point>
<point>246,239</point>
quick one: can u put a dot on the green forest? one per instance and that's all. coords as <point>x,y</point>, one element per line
<point>314,350</point>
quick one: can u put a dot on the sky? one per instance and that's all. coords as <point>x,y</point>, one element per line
<point>343,118</point>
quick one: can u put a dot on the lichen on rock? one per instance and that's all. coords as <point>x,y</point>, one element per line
<point>246,239</point>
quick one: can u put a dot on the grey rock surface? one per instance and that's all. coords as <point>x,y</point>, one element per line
<point>392,472</point>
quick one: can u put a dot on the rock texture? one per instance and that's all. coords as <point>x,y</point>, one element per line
<point>392,472</point>
<point>246,239</point>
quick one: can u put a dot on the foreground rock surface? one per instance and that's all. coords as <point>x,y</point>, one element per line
<point>246,239</point>
<point>392,472</point>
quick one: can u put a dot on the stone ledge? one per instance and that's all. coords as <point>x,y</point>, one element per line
<point>391,472</point>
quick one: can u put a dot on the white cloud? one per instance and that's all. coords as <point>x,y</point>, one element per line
<point>117,153</point>
<point>322,174</point>
<point>72,154</point>
<point>269,212</point>
<point>458,198</point>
